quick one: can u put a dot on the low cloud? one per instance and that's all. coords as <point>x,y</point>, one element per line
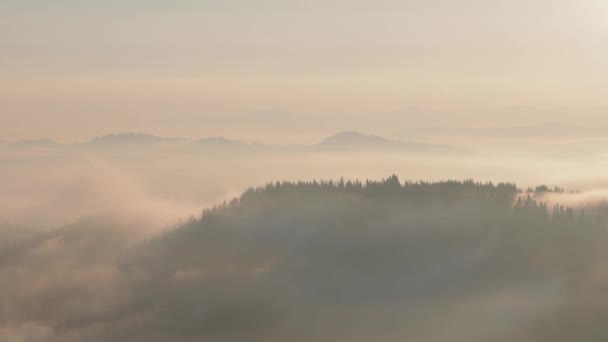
<point>312,266</point>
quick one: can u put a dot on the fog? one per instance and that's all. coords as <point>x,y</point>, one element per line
<point>287,170</point>
<point>159,182</point>
<point>319,261</point>
<point>103,240</point>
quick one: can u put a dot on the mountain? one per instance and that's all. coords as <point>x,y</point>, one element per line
<point>36,143</point>
<point>359,140</point>
<point>322,261</point>
<point>219,145</point>
<point>220,141</point>
<point>356,139</point>
<point>130,138</point>
<point>346,140</point>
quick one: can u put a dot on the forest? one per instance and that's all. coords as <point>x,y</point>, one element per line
<point>337,260</point>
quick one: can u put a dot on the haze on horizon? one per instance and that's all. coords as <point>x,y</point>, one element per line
<point>294,71</point>
<point>291,170</point>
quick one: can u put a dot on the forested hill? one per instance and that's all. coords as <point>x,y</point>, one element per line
<point>392,192</point>
<point>392,189</point>
<point>385,260</point>
<point>330,261</point>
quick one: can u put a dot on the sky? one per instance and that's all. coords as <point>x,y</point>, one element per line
<point>286,70</point>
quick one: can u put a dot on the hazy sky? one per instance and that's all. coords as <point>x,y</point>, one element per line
<point>73,69</point>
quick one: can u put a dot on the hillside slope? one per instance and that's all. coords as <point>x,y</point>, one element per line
<point>325,261</point>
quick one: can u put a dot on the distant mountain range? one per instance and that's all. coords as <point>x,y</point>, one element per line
<point>346,140</point>
<point>30,143</point>
<point>359,140</point>
<point>354,138</point>
<point>221,141</point>
<point>130,138</point>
